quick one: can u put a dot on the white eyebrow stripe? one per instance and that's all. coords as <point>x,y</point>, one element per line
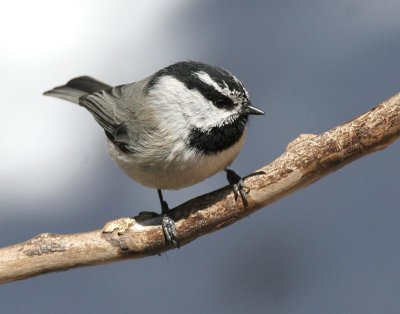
<point>206,78</point>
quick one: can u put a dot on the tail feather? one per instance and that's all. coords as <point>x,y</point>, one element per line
<point>76,88</point>
<point>87,84</point>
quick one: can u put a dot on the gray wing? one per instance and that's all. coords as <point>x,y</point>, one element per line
<point>116,110</point>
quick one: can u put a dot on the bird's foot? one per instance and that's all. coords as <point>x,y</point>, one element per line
<point>169,229</point>
<point>168,224</point>
<point>238,186</point>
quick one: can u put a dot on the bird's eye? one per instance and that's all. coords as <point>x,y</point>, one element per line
<point>226,103</point>
<point>219,103</point>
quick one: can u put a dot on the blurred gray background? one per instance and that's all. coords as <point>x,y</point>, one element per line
<point>311,65</point>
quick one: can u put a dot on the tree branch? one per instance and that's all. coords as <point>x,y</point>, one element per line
<point>306,160</point>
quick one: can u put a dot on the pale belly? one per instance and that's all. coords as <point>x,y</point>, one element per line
<point>173,175</point>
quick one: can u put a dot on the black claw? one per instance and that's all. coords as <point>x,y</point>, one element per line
<point>238,186</point>
<point>243,195</point>
<point>168,226</point>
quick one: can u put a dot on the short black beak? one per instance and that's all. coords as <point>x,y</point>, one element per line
<point>254,111</point>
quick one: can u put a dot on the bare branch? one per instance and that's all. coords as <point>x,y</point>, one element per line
<point>306,160</point>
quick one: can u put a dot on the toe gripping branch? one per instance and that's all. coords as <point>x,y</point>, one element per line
<point>237,184</point>
<point>169,229</point>
<point>168,224</point>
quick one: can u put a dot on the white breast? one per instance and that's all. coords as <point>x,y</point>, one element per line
<point>173,175</point>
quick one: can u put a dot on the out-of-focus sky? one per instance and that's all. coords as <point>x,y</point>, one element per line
<point>311,65</point>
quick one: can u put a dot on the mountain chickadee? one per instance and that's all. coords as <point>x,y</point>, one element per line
<point>172,129</point>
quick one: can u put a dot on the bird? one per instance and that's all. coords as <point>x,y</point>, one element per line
<point>172,129</point>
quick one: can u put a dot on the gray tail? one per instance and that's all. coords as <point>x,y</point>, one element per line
<point>76,88</point>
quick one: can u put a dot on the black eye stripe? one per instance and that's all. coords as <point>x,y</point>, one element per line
<point>186,72</point>
<point>210,93</point>
<point>224,103</point>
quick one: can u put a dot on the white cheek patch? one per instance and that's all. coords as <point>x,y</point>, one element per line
<point>181,108</point>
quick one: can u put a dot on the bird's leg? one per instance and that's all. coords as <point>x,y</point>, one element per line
<point>164,204</point>
<point>167,223</point>
<point>238,186</point>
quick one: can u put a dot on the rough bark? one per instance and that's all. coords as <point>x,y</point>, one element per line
<point>307,159</point>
